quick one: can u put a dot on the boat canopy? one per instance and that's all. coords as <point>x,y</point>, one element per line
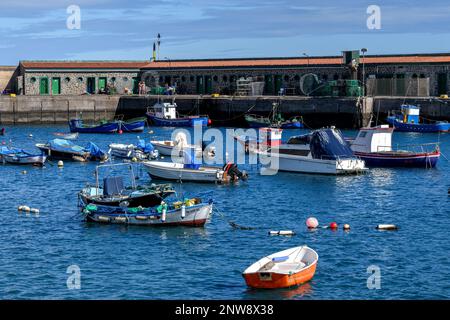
<point>63,145</point>
<point>329,144</point>
<point>301,139</point>
<point>145,147</point>
<point>94,150</point>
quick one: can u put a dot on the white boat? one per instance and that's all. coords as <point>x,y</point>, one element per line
<point>130,151</point>
<point>20,156</point>
<point>177,147</point>
<point>323,152</point>
<point>178,172</point>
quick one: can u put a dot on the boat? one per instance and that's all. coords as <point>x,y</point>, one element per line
<point>191,212</point>
<point>165,114</point>
<point>324,151</point>
<point>67,136</point>
<point>374,146</point>
<point>19,156</point>
<point>274,120</point>
<point>176,147</point>
<point>141,151</point>
<point>61,149</point>
<point>409,120</point>
<point>113,192</point>
<point>284,269</point>
<point>131,125</point>
<point>77,125</point>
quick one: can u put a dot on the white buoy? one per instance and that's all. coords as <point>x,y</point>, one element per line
<point>19,208</point>
<point>387,227</point>
<point>26,208</point>
<point>163,216</point>
<point>30,135</point>
<point>183,211</point>
<point>33,210</point>
<point>282,233</point>
<point>60,164</point>
<point>24,172</point>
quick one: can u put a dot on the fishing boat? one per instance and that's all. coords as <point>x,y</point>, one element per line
<point>19,156</point>
<point>409,120</point>
<point>283,269</point>
<point>374,146</point>
<point>67,150</point>
<point>141,151</point>
<point>274,120</point>
<point>77,125</point>
<point>325,151</point>
<point>192,212</point>
<point>67,136</point>
<point>131,125</point>
<point>165,114</point>
<point>113,192</point>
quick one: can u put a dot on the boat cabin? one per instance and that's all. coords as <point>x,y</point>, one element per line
<point>377,139</point>
<point>409,114</point>
<point>165,110</point>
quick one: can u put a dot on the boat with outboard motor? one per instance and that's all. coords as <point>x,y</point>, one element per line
<point>374,146</point>
<point>67,150</point>
<point>13,155</point>
<point>165,114</point>
<point>141,151</point>
<point>113,192</point>
<point>409,120</point>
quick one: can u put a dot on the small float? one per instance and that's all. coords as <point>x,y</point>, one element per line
<point>409,120</point>
<point>283,269</point>
<point>374,146</point>
<point>77,125</point>
<point>165,114</point>
<point>61,149</point>
<point>19,156</point>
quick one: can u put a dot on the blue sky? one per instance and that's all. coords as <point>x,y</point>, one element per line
<point>125,30</point>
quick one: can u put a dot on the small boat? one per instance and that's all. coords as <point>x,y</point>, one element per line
<point>67,136</point>
<point>67,150</point>
<point>193,213</point>
<point>409,120</point>
<point>256,121</point>
<point>141,151</point>
<point>166,115</point>
<point>324,151</point>
<point>283,269</point>
<point>176,148</point>
<point>374,146</point>
<point>77,125</point>
<point>132,125</point>
<point>113,192</point>
<point>20,156</point>
<point>2,131</point>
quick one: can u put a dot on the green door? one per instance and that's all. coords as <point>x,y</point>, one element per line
<point>200,85</point>
<point>135,85</point>
<point>442,83</point>
<point>208,85</point>
<point>278,83</point>
<point>43,86</point>
<point>56,86</point>
<point>90,85</point>
<point>102,83</point>
<point>268,85</point>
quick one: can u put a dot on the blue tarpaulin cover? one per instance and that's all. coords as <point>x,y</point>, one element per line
<point>64,146</point>
<point>189,159</point>
<point>329,144</point>
<point>145,147</point>
<point>94,150</point>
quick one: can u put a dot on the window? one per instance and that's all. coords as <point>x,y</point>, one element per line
<point>192,78</point>
<point>414,75</point>
<point>125,79</point>
<point>286,78</point>
<point>161,79</point>
<point>422,75</point>
<point>225,78</point>
<point>183,79</point>
<point>67,79</point>
<point>33,80</point>
<point>336,77</point>
<point>80,79</point>
<point>297,77</point>
<point>325,77</point>
<point>215,78</point>
<point>113,79</point>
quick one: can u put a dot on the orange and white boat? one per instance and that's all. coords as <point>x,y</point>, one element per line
<point>283,269</point>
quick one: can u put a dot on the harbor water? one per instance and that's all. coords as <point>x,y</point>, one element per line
<point>120,262</point>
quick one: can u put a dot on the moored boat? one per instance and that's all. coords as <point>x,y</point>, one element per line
<point>141,151</point>
<point>67,150</point>
<point>374,146</point>
<point>409,120</point>
<point>132,125</point>
<point>20,156</point>
<point>165,114</point>
<point>256,121</point>
<point>283,269</point>
<point>77,125</point>
<point>67,136</point>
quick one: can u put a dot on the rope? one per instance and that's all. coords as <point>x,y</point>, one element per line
<point>232,223</point>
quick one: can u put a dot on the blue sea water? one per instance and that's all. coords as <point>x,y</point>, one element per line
<point>119,262</point>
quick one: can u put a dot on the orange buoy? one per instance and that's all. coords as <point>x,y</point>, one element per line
<point>333,225</point>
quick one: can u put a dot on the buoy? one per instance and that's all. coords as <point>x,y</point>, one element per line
<point>150,132</point>
<point>163,216</point>
<point>60,163</point>
<point>209,121</point>
<point>26,208</point>
<point>387,227</point>
<point>162,157</point>
<point>120,131</point>
<point>24,172</point>
<point>30,135</point>
<point>312,223</point>
<point>134,159</point>
<point>33,210</point>
<point>333,225</point>
<point>183,211</point>
<point>346,227</point>
<point>282,233</point>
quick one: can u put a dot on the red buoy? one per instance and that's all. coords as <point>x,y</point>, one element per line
<point>333,225</point>
<point>120,131</point>
<point>209,121</point>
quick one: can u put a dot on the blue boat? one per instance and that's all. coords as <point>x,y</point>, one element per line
<point>77,125</point>
<point>65,149</point>
<point>131,125</point>
<point>19,156</point>
<point>166,115</point>
<point>408,120</point>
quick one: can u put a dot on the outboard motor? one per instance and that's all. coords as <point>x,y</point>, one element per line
<point>234,173</point>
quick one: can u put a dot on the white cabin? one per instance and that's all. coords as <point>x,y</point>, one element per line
<point>377,139</point>
<point>165,110</point>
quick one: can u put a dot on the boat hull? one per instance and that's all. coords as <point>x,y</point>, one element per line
<point>195,216</point>
<point>147,200</point>
<point>204,174</point>
<point>418,127</point>
<point>132,126</point>
<point>76,126</point>
<point>24,160</point>
<point>166,150</point>
<point>61,155</point>
<point>180,122</point>
<point>417,160</point>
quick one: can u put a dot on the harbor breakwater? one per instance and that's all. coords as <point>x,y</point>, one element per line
<point>223,110</point>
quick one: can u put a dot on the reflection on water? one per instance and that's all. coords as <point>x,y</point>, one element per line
<point>296,292</point>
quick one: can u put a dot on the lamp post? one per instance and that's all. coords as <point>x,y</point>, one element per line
<point>307,57</point>
<point>364,50</point>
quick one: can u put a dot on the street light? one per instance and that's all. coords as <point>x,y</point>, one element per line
<point>364,50</point>
<point>306,57</point>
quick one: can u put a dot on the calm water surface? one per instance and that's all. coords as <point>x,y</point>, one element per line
<point>119,262</point>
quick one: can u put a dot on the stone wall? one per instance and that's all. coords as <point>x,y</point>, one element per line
<point>75,83</point>
<point>7,78</point>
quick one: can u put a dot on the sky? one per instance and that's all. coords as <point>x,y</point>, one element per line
<point>200,29</point>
